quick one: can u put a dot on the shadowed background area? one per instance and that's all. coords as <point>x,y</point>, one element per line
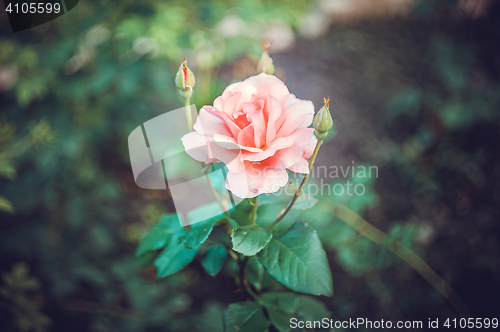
<point>415,91</point>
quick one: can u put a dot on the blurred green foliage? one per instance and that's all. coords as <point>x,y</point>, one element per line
<point>446,111</point>
<point>71,210</point>
<point>39,135</point>
<point>25,305</point>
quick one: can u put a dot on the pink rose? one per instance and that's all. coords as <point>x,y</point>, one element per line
<point>259,130</point>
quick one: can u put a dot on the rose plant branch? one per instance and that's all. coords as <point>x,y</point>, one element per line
<point>189,117</point>
<point>322,124</point>
<point>243,261</point>
<point>260,131</point>
<point>185,82</point>
<point>374,234</point>
<point>253,214</point>
<point>299,190</point>
<point>217,197</point>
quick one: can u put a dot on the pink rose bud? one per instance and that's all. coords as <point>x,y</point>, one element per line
<point>323,120</point>
<point>265,63</point>
<point>184,80</point>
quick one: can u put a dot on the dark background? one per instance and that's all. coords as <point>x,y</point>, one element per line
<point>415,90</point>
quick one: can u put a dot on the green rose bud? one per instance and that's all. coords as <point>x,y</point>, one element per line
<point>265,63</point>
<point>323,120</point>
<point>184,80</point>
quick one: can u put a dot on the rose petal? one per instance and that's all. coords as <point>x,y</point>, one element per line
<point>286,157</point>
<point>272,111</point>
<point>230,143</point>
<point>309,148</point>
<point>256,179</point>
<point>195,145</point>
<point>269,85</point>
<point>230,105</point>
<point>256,116</point>
<point>246,92</point>
<point>246,136</point>
<point>302,136</point>
<point>278,144</point>
<point>205,149</point>
<point>207,123</point>
<point>235,130</point>
<point>298,114</point>
<point>231,158</point>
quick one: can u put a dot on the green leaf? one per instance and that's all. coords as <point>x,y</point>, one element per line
<point>280,319</point>
<point>281,307</point>
<point>160,234</point>
<point>304,202</point>
<point>28,89</point>
<point>19,278</point>
<point>210,319</point>
<point>270,199</point>
<point>6,205</point>
<point>232,223</point>
<point>169,225</point>
<point>180,244</point>
<point>168,232</point>
<point>245,317</point>
<point>173,258</point>
<point>296,259</point>
<point>255,273</point>
<point>408,101</point>
<point>214,259</point>
<point>250,239</point>
<point>7,169</point>
<point>198,234</point>
<point>285,301</point>
<point>311,309</point>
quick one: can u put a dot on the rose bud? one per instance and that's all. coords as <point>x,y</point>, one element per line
<point>184,80</point>
<point>323,120</point>
<point>265,63</point>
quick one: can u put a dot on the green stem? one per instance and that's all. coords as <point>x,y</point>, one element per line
<point>233,255</point>
<point>243,280</point>
<point>243,260</point>
<point>299,191</point>
<point>371,232</point>
<point>253,214</point>
<point>253,295</point>
<point>189,117</point>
